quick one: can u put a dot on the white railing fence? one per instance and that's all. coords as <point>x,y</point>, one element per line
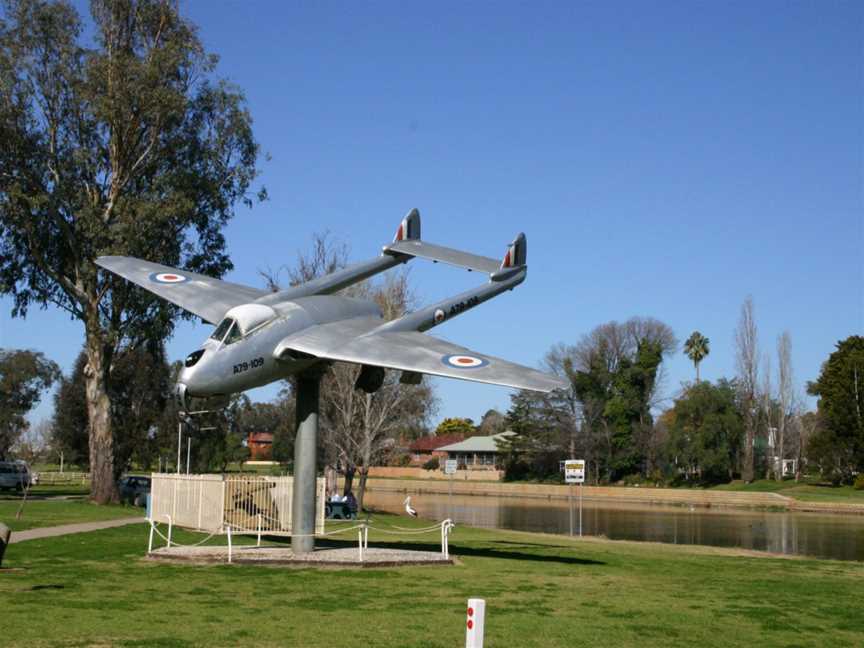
<point>213,503</point>
<point>50,478</point>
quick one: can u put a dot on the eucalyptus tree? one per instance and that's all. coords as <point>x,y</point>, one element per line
<point>24,375</point>
<point>124,145</point>
<point>139,393</point>
<point>697,349</point>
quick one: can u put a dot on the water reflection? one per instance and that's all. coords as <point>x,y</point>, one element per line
<point>826,536</point>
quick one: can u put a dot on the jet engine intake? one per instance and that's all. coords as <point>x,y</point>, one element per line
<point>189,404</point>
<point>180,396</point>
<point>370,379</point>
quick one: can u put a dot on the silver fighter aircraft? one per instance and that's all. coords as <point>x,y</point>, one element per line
<point>264,336</point>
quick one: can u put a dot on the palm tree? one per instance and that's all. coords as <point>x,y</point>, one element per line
<point>696,347</point>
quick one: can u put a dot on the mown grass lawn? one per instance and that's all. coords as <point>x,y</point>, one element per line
<point>541,590</point>
<point>804,491</point>
<point>50,490</point>
<point>44,513</point>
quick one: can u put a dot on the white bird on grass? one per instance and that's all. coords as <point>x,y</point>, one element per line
<point>408,509</point>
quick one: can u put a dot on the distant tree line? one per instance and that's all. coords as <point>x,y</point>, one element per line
<point>742,427</point>
<point>24,375</point>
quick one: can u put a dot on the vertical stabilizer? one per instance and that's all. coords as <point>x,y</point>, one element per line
<point>409,228</point>
<point>517,253</point>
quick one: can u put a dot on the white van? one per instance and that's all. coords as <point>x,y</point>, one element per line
<point>14,475</point>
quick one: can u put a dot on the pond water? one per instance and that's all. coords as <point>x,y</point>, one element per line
<point>813,534</point>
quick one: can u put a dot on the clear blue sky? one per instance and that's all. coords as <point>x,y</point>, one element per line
<point>664,159</point>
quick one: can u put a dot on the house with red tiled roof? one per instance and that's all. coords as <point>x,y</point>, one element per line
<point>260,446</point>
<point>425,448</point>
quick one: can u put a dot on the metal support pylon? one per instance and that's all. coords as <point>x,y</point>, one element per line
<point>305,468</point>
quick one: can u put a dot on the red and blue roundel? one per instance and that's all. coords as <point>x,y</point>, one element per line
<point>167,277</point>
<point>463,361</point>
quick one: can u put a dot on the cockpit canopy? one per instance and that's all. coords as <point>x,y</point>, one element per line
<point>240,321</point>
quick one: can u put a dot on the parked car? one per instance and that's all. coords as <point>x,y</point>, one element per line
<point>134,490</point>
<point>14,475</point>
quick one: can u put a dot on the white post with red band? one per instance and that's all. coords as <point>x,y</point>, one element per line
<point>474,623</point>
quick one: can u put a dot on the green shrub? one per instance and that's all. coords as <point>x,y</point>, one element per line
<point>859,482</point>
<point>432,464</point>
<point>401,460</point>
<point>633,480</point>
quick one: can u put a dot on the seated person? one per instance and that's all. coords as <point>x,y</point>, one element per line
<point>351,501</point>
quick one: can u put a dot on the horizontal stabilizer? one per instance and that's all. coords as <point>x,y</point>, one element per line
<point>433,252</point>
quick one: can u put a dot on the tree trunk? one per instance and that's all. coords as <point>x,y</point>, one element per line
<point>799,452</point>
<point>361,491</point>
<point>330,479</point>
<point>349,479</point>
<point>747,465</point>
<point>103,487</point>
<point>697,372</point>
<point>781,433</point>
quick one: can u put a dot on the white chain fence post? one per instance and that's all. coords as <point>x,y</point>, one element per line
<point>150,541</point>
<point>229,543</point>
<point>474,624</point>
<point>170,528</point>
<point>446,526</point>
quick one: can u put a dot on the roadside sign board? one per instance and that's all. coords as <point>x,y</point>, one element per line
<point>450,467</point>
<point>574,471</point>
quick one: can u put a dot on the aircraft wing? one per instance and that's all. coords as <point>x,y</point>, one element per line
<point>413,351</point>
<point>204,296</point>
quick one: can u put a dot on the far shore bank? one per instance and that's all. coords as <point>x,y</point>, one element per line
<point>680,496</point>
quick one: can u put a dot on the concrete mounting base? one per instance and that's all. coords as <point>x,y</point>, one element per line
<point>5,534</point>
<point>269,555</point>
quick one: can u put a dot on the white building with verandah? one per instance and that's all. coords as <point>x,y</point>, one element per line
<point>477,452</point>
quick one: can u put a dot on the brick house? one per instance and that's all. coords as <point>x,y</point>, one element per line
<point>425,448</point>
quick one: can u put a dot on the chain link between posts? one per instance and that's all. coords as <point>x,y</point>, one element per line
<point>443,527</point>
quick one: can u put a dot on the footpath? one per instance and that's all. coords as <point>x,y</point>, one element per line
<point>613,494</point>
<point>67,529</point>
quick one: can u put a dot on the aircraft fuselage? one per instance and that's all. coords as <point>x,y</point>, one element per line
<point>231,361</point>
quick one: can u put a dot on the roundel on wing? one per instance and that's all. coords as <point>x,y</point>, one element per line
<point>168,277</point>
<point>464,361</point>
